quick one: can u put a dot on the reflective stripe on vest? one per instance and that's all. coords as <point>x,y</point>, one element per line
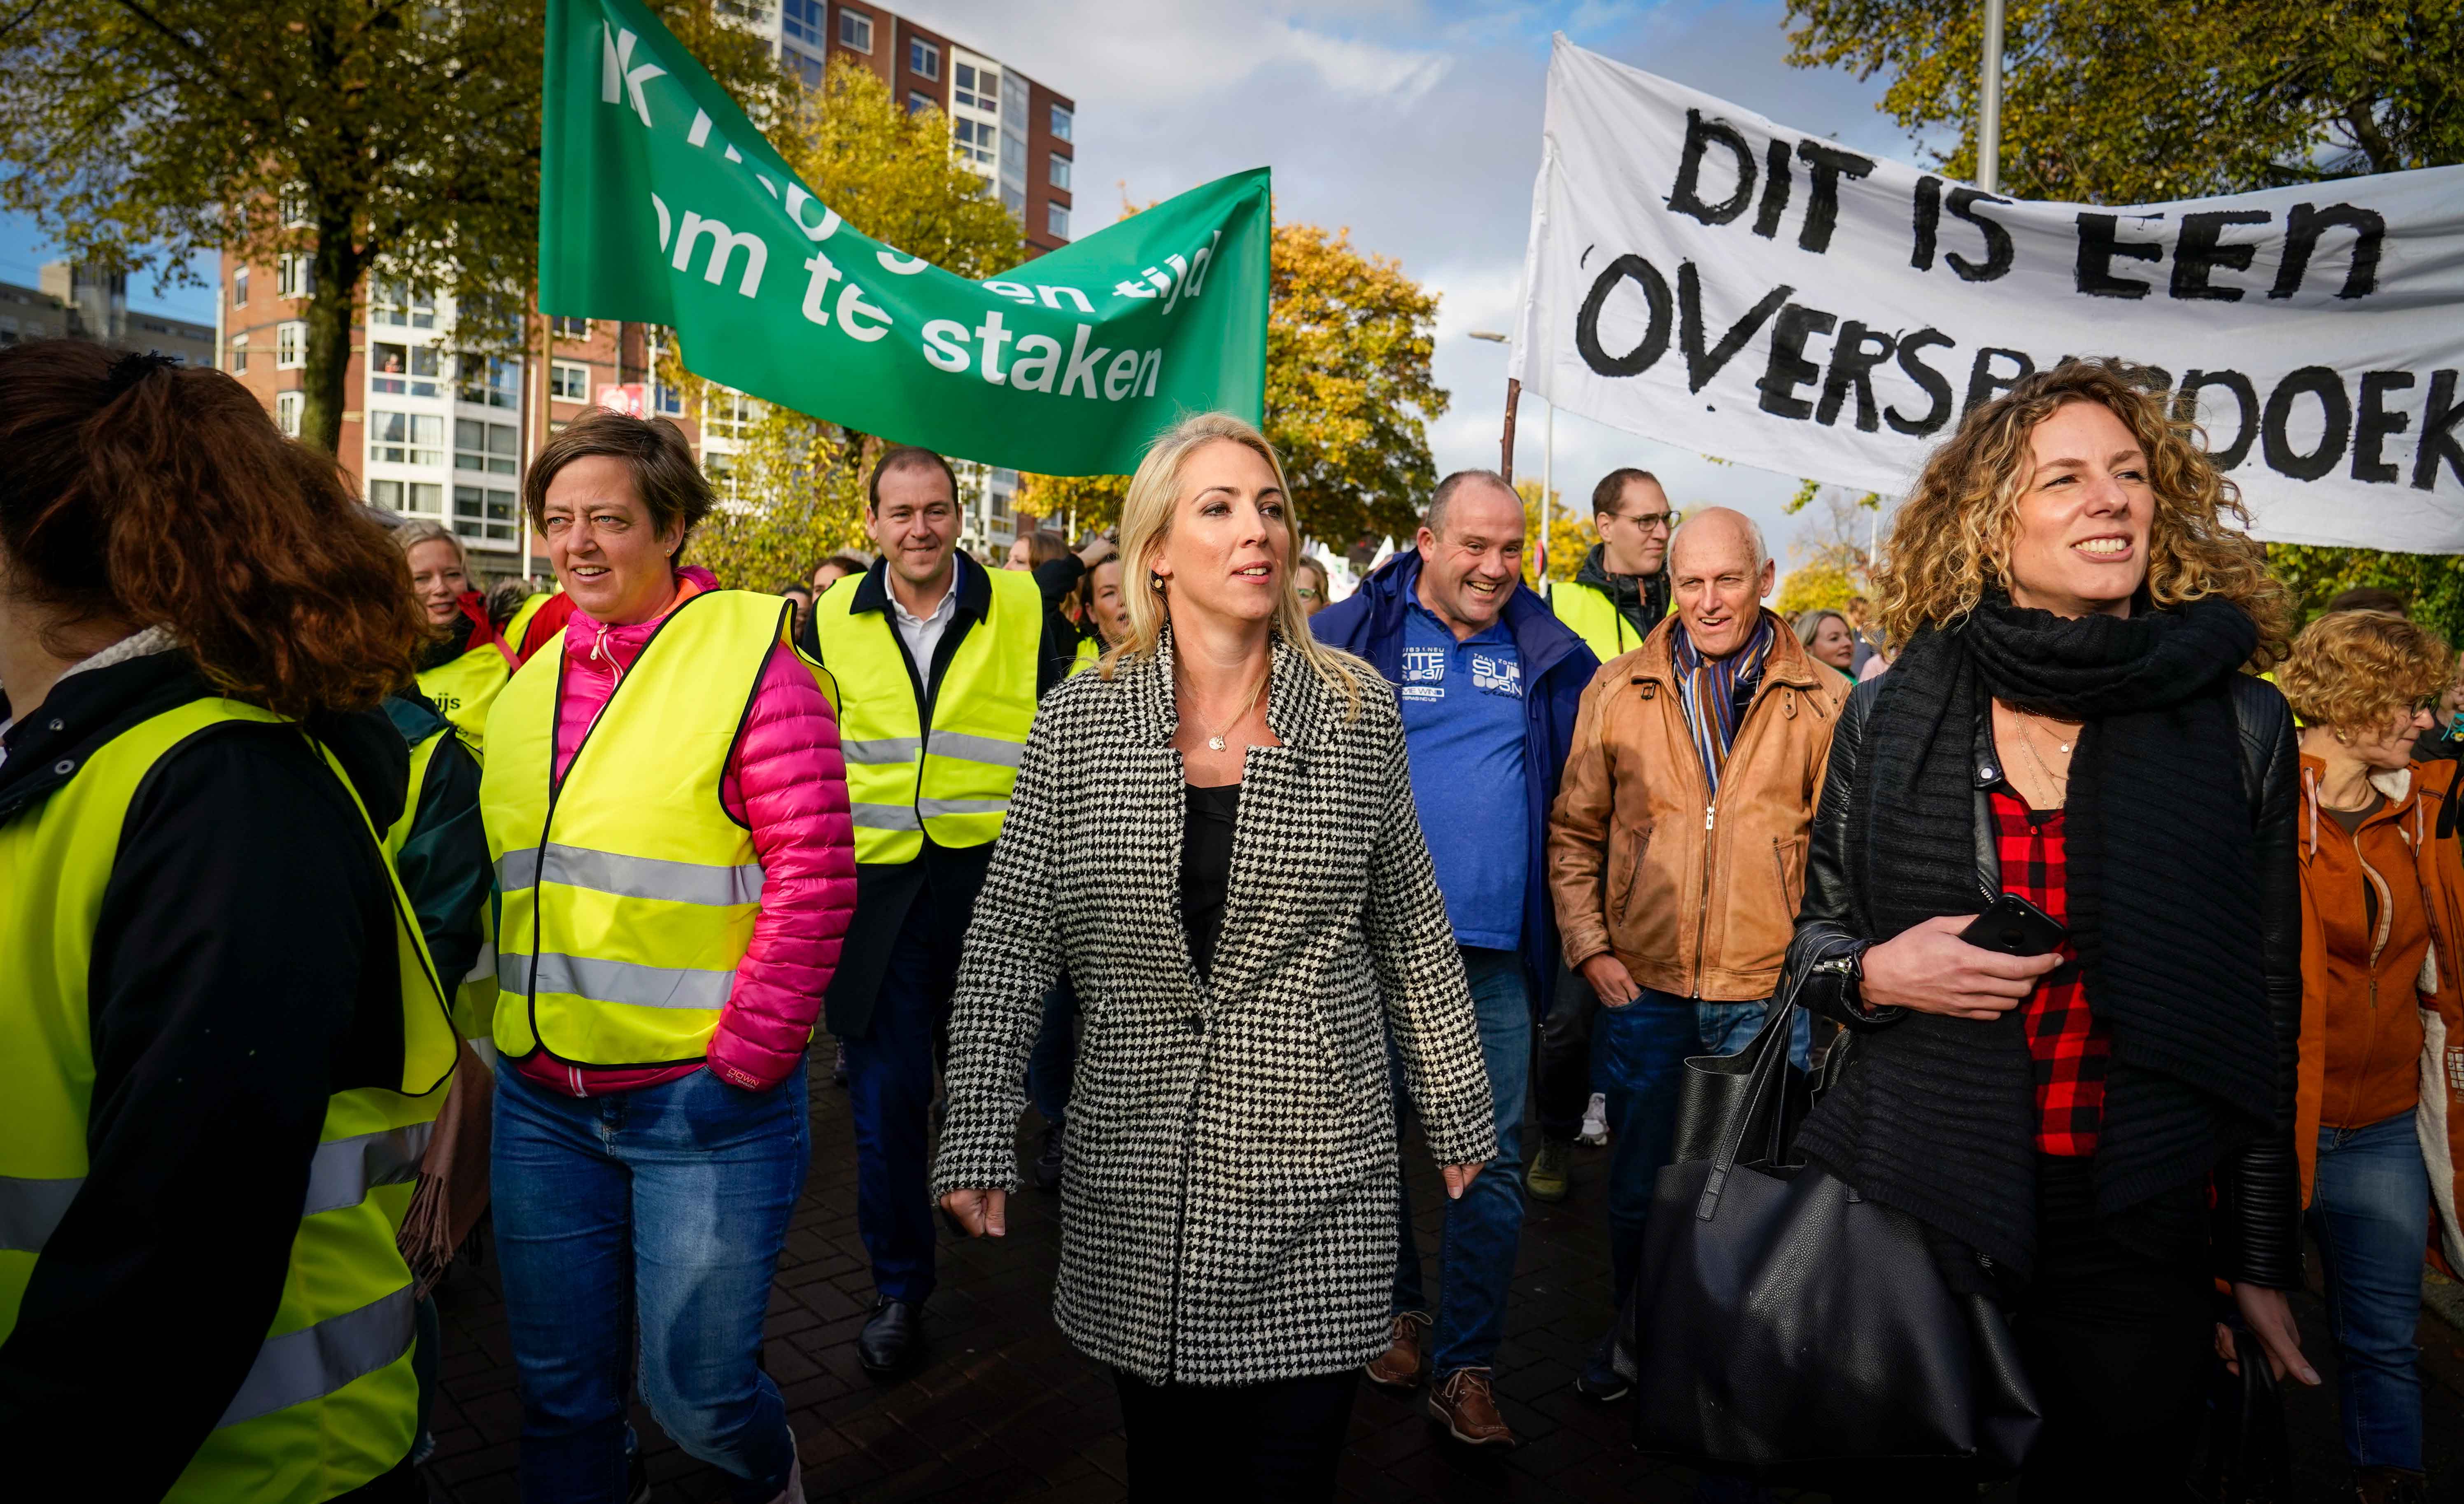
<point>465,688</point>
<point>1595,618</point>
<point>627,892</point>
<point>330,1401</point>
<point>953,785</point>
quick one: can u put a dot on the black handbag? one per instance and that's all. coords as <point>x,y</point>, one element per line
<point>1785,1328</point>
<point>2249,1461</point>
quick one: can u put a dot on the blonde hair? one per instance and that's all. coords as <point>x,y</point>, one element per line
<point>1952,537</point>
<point>1146,521</point>
<point>410,535</point>
<point>2351,670</point>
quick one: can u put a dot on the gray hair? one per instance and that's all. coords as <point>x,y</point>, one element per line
<point>1434,520</point>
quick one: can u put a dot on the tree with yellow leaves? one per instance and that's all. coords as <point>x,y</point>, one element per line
<point>1570,536</point>
<point>1349,396</point>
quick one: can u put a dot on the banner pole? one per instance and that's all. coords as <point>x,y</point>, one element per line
<point>1989,111</point>
<point>1505,445</point>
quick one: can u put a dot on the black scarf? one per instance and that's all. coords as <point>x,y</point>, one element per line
<point>2165,910</point>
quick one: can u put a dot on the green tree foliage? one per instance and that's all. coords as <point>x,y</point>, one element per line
<point>2106,101</point>
<point>1349,395</point>
<point>384,137</point>
<point>798,482</point>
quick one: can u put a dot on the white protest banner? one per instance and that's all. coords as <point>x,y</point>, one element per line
<point>1702,276</point>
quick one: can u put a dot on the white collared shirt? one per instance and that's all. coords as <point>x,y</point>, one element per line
<point>922,635</point>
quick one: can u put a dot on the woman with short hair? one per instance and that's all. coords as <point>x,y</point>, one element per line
<point>2379,999</point>
<point>226,1044</point>
<point>2066,721</point>
<point>667,808</point>
<point>1827,639</point>
<point>1214,833</point>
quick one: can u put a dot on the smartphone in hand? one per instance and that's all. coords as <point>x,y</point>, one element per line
<point>2016,927</point>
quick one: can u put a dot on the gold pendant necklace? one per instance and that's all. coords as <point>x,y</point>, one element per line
<point>1215,743</point>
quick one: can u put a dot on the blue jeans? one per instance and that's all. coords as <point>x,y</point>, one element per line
<point>1485,1227</point>
<point>2370,1211</point>
<point>1055,1060</point>
<point>1639,1061</point>
<point>663,1210</point>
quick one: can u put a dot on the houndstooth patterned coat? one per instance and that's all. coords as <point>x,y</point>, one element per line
<point>1228,1215</point>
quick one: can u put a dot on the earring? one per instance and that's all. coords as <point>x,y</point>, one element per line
<point>1156,580</point>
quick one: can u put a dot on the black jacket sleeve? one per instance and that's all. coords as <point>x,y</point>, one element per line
<point>1828,925</point>
<point>245,940</point>
<point>1056,579</point>
<point>2258,1222</point>
<point>444,862</point>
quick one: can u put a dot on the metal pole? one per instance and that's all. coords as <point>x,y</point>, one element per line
<point>1988,110</point>
<point>1505,445</point>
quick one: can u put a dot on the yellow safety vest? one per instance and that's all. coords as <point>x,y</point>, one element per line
<point>330,1401</point>
<point>1088,651</point>
<point>474,997</point>
<point>1595,618</point>
<point>953,787</point>
<point>465,688</point>
<point>627,892</point>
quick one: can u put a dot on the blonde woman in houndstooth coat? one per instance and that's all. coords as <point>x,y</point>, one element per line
<point>1214,832</point>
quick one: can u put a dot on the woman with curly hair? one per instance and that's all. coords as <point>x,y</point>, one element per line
<point>2068,722</point>
<point>2380,1000</point>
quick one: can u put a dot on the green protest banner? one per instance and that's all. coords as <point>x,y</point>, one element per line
<point>659,202</point>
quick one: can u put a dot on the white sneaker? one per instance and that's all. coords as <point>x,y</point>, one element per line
<point>1595,1119</point>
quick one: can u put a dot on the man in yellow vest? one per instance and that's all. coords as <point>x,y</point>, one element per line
<point>1615,600</point>
<point>935,664</point>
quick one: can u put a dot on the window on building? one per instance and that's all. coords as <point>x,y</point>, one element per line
<point>286,413</point>
<point>754,13</point>
<point>294,204</point>
<point>923,59</point>
<point>805,66</point>
<point>290,346</point>
<point>1056,221</point>
<point>494,448</point>
<point>417,497</point>
<point>401,305</point>
<point>235,358</point>
<point>293,277</point>
<point>975,88</point>
<point>919,102</point>
<point>239,288</point>
<point>564,328</point>
<point>405,438</point>
<point>408,369</point>
<point>1057,173</point>
<point>728,416</point>
<point>855,30</point>
<point>483,512</point>
<point>490,380</point>
<point>569,382</point>
<point>979,141</point>
<point>1060,122</point>
<point>802,20</point>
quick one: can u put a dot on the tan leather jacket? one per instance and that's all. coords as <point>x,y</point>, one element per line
<point>1696,899</point>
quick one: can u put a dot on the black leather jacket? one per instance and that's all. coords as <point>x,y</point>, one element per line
<point>2258,1222</point>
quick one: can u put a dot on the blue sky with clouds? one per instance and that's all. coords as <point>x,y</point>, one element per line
<point>1414,123</point>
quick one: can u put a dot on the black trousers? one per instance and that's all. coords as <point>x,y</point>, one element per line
<point>2118,1337</point>
<point>1194,1444</point>
<point>1561,1087</point>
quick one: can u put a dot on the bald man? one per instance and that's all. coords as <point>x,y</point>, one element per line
<point>1677,850</point>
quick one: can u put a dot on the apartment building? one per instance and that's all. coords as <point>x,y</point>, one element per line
<point>444,436</point>
<point>88,304</point>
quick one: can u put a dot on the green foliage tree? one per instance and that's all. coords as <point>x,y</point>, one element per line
<point>796,484</point>
<point>2108,101</point>
<point>1349,395</point>
<point>382,137</point>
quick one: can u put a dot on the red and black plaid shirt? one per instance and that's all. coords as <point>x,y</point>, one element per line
<point>2069,1045</point>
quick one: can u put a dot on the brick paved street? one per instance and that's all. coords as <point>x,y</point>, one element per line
<point>1005,1409</point>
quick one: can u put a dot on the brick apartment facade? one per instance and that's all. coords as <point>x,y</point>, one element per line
<point>446,438</point>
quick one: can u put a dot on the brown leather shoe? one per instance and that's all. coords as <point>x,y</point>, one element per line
<point>1463,1401</point>
<point>1398,1367</point>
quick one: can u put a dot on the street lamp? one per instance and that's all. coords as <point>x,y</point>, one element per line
<point>1547,454</point>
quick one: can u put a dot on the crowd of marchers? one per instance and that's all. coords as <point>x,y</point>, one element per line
<point>2099,915</point>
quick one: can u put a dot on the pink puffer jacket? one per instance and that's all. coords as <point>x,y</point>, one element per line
<point>784,780</point>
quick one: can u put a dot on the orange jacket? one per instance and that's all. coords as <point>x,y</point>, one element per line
<point>2355,1037</point>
